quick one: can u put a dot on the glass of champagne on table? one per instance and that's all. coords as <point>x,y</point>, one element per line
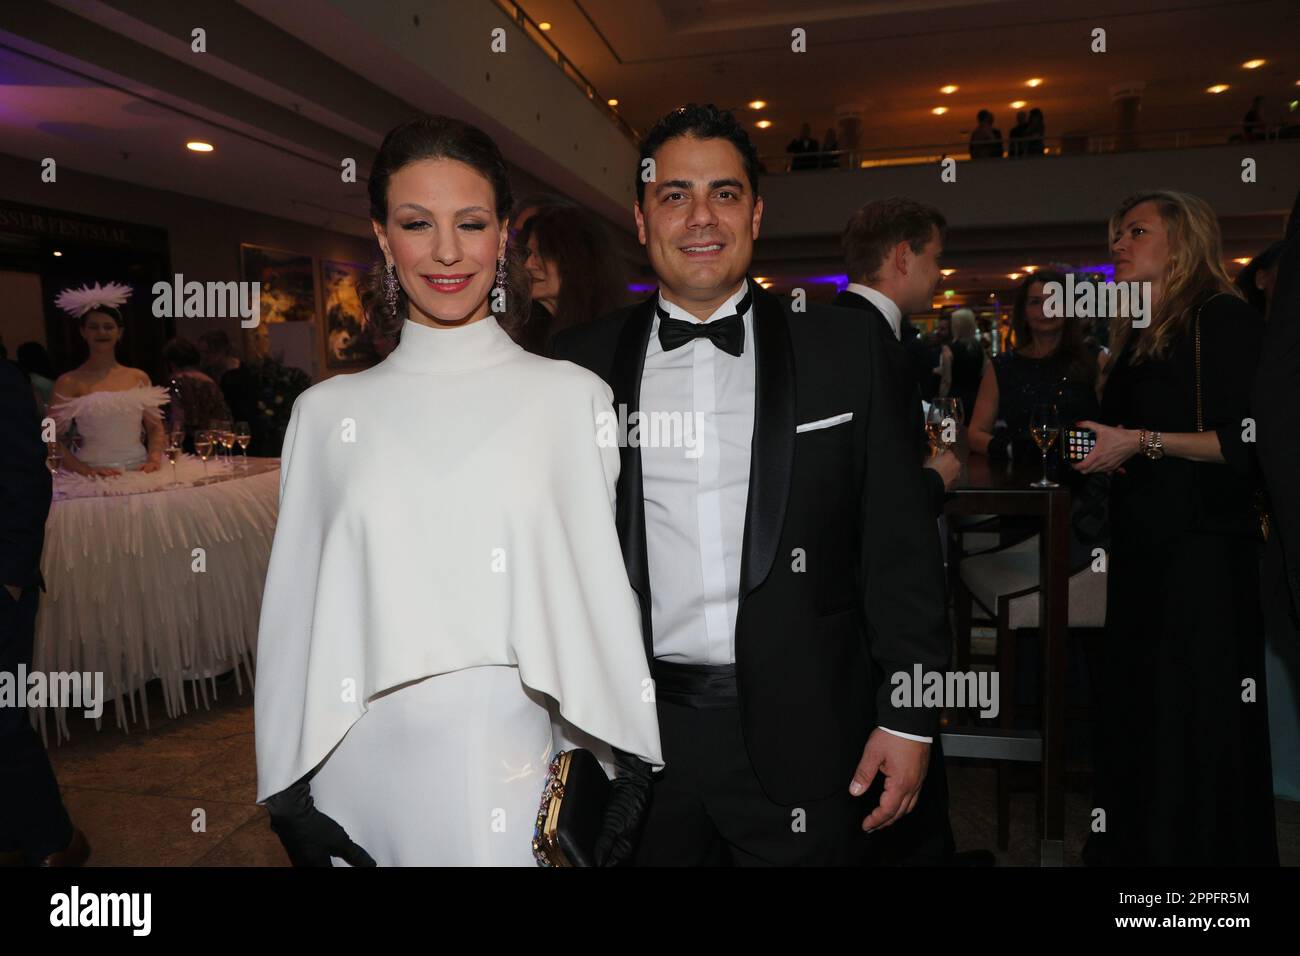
<point>175,439</point>
<point>1044,426</point>
<point>242,438</point>
<point>220,429</point>
<point>204,440</point>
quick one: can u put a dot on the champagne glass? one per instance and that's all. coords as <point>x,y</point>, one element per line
<point>203,444</point>
<point>957,410</point>
<point>175,439</point>
<point>219,428</point>
<point>1044,426</point>
<point>934,416</point>
<point>228,440</point>
<point>243,436</point>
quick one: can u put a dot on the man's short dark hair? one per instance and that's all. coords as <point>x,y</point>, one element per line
<point>983,115</point>
<point>875,229</point>
<point>181,354</point>
<point>702,122</point>
<point>216,340</point>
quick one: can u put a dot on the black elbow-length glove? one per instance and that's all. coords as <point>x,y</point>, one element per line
<point>629,798</point>
<point>309,836</point>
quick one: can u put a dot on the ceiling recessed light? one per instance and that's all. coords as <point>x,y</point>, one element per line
<point>544,25</point>
<point>1018,104</point>
<point>1216,88</point>
<point>198,146</point>
<point>57,253</point>
<point>1030,269</point>
<point>761,279</point>
<point>946,272</point>
<point>757,104</point>
<point>1242,261</point>
<point>1253,64</point>
<point>763,124</point>
<point>939,110</point>
<point>612,102</point>
<point>949,89</point>
<point>1035,81</point>
<point>1013,276</point>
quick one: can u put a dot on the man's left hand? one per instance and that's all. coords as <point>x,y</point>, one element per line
<point>903,763</point>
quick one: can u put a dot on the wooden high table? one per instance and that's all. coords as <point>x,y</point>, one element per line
<point>1003,488</point>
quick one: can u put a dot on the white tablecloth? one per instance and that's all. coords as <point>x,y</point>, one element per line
<point>122,593</point>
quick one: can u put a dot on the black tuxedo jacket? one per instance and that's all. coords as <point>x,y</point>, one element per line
<point>1276,384</point>
<point>910,390</point>
<point>24,481</point>
<point>871,586</point>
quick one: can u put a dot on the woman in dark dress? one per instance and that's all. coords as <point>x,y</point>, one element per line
<point>1182,766</point>
<point>961,363</point>
<point>1048,365</point>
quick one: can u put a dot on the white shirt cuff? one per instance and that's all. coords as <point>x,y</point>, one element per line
<point>899,733</point>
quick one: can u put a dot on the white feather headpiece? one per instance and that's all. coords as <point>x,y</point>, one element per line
<point>77,302</point>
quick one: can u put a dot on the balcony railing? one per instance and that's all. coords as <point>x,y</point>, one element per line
<point>534,32</point>
<point>1067,144</point>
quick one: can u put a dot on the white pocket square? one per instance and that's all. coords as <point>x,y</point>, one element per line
<point>825,422</point>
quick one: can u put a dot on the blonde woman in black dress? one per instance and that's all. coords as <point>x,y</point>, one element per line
<point>1182,766</point>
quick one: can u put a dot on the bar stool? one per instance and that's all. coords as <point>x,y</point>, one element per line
<point>1005,585</point>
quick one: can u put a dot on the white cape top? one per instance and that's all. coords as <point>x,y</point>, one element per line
<point>448,508</point>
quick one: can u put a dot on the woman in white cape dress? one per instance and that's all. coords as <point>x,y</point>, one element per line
<point>446,602</point>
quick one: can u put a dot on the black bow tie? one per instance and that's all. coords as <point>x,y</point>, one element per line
<point>727,333</point>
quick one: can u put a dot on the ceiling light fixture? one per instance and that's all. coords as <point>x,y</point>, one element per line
<point>1035,81</point>
<point>612,102</point>
<point>1253,64</point>
<point>1216,88</point>
<point>757,104</point>
<point>948,90</point>
<point>939,110</point>
<point>1018,104</point>
<point>763,123</point>
<point>544,25</point>
<point>198,146</point>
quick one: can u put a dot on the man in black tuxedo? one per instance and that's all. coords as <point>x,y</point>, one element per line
<point>891,251</point>
<point>782,555</point>
<point>1276,385</point>
<point>34,826</point>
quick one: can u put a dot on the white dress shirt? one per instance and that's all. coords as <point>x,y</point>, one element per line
<point>892,313</point>
<point>695,503</point>
<point>695,506</point>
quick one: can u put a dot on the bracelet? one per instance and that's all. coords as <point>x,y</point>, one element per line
<point>1142,441</point>
<point>1155,447</point>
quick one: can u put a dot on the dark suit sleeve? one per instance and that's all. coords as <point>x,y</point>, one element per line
<point>902,567</point>
<point>934,488</point>
<point>1276,386</point>
<point>24,481</point>
<point>1231,338</point>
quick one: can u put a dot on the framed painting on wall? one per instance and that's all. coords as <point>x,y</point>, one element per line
<point>288,288</point>
<point>347,344</point>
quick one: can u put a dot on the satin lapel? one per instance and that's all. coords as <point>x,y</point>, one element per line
<point>771,458</point>
<point>625,375</point>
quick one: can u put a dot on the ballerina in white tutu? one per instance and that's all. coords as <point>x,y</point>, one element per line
<point>116,408</point>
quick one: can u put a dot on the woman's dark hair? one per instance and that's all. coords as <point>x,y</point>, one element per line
<point>593,281</point>
<point>34,360</point>
<point>702,122</point>
<point>180,354</point>
<point>108,310</point>
<point>1245,280</point>
<point>441,137</point>
<point>1080,363</point>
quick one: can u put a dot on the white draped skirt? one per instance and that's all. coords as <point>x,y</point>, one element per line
<point>446,771</point>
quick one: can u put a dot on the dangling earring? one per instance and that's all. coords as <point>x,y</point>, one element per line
<point>499,291</point>
<point>390,288</point>
<point>501,274</point>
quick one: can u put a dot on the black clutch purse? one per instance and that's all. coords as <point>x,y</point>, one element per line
<point>572,812</point>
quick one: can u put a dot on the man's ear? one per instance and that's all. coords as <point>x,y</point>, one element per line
<point>902,258</point>
<point>758,216</point>
<point>639,216</point>
<point>382,235</point>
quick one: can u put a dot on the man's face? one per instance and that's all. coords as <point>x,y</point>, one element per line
<point>922,273</point>
<point>699,219</point>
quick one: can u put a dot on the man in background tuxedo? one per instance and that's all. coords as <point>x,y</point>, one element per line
<point>786,554</point>
<point>1276,386</point>
<point>891,251</point>
<point>34,826</point>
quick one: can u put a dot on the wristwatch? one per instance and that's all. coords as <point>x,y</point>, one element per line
<point>1155,449</point>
